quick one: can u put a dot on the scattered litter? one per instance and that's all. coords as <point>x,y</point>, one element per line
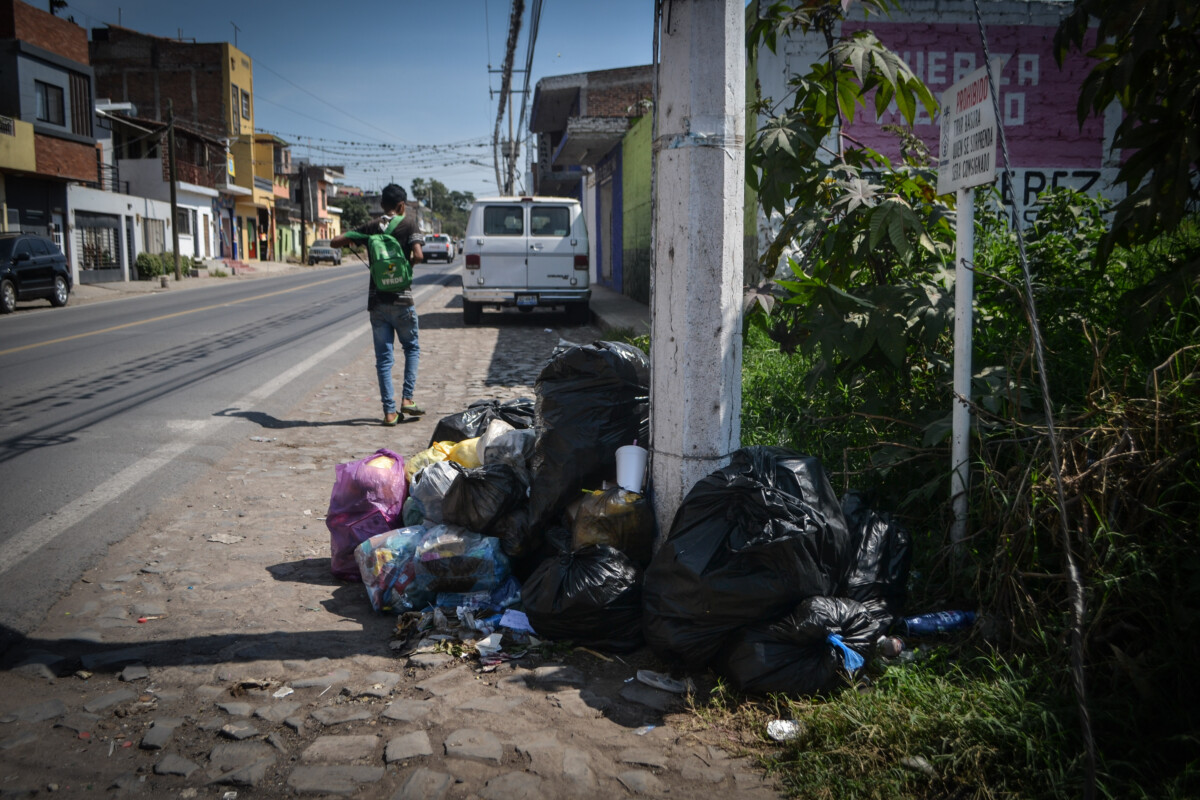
<point>630,679</point>
<point>262,439</point>
<point>229,796</point>
<point>149,617</point>
<point>591,652</point>
<point>127,743</point>
<point>516,620</point>
<point>84,735</point>
<point>283,691</point>
<point>784,730</point>
<point>918,764</point>
<point>225,538</point>
<point>490,646</point>
<point>665,682</point>
<point>642,731</point>
<point>82,674</point>
<point>112,745</point>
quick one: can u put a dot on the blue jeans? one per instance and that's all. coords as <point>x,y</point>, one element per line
<point>389,322</point>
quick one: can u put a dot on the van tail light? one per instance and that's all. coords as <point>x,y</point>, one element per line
<point>473,261</point>
<point>581,262</point>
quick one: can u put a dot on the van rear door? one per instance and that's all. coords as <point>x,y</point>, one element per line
<point>502,248</point>
<point>552,247</point>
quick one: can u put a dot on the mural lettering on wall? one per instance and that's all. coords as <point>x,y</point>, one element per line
<point>1037,100</point>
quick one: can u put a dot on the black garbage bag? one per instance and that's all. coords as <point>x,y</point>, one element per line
<point>516,537</point>
<point>591,597</point>
<point>794,655</point>
<point>481,496</point>
<point>879,577</point>
<point>747,544</point>
<point>591,399</point>
<point>624,520</point>
<point>474,421</point>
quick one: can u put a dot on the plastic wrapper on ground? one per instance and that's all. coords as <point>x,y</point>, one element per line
<point>479,497</point>
<point>879,578</point>
<point>794,655</point>
<point>747,544</point>
<point>471,423</point>
<point>385,565</point>
<point>591,597</point>
<point>429,486</point>
<point>617,518</point>
<point>367,499</point>
<point>591,399</point>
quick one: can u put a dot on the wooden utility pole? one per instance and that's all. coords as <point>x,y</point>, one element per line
<point>171,176</point>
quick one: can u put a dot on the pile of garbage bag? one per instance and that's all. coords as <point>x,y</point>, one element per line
<point>755,577</point>
<point>513,508</point>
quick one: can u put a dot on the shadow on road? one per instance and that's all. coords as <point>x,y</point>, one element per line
<point>264,420</point>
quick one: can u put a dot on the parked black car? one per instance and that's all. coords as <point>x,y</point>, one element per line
<point>31,267</point>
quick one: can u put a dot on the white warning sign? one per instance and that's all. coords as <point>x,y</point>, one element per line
<point>967,153</point>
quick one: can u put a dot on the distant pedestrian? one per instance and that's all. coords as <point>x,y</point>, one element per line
<point>393,314</point>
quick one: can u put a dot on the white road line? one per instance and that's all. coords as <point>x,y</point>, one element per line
<point>40,534</point>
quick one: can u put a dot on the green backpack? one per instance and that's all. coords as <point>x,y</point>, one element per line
<point>390,270</point>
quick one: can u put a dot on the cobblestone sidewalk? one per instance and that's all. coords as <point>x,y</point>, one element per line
<point>165,671</point>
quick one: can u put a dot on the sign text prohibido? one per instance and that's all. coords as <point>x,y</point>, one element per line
<point>966,159</point>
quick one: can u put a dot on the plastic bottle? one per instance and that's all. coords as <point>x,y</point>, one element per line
<point>938,622</point>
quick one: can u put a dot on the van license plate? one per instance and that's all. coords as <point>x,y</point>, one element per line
<point>524,300</point>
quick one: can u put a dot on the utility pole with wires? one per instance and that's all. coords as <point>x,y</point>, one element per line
<point>171,176</point>
<point>506,72</point>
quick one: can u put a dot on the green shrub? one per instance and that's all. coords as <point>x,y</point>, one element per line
<point>149,266</point>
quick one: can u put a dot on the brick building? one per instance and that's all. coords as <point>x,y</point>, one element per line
<point>46,131</point>
<point>211,89</point>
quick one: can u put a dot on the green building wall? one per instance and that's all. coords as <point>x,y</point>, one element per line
<point>636,211</point>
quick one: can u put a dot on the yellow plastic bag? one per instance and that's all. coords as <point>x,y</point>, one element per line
<point>423,459</point>
<point>464,453</point>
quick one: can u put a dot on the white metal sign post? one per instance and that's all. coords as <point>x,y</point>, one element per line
<point>967,159</point>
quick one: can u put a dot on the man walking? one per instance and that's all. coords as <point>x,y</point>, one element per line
<point>393,314</point>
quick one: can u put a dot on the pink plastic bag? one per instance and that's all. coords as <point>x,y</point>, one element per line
<point>367,499</point>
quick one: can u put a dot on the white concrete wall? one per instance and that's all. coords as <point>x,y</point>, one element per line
<point>83,198</point>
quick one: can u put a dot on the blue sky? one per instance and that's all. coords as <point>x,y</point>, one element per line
<point>342,81</point>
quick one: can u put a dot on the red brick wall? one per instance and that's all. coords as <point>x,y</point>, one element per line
<point>138,68</point>
<point>617,101</point>
<point>42,29</point>
<point>62,159</point>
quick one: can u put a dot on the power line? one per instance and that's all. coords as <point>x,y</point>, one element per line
<point>326,102</point>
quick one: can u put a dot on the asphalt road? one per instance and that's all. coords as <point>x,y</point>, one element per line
<point>110,407</point>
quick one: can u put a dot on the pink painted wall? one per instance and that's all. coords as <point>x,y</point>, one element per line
<point>1037,99</point>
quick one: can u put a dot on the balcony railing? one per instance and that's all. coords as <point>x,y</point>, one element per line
<point>8,126</point>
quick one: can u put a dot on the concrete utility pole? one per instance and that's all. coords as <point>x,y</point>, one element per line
<point>174,180</point>
<point>696,289</point>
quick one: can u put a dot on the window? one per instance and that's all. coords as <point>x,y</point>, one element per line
<point>235,104</point>
<point>550,221</point>
<point>183,219</point>
<point>39,247</point>
<point>503,221</point>
<point>245,104</point>
<point>49,103</point>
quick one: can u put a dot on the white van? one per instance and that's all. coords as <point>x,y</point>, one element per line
<point>526,252</point>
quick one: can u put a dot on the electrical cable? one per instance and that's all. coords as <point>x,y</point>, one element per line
<point>1078,598</point>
